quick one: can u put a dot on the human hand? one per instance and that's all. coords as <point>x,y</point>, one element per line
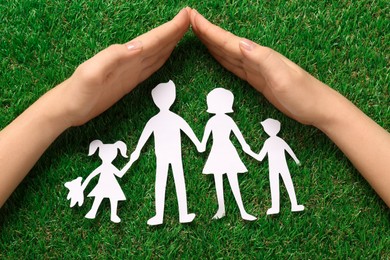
<point>112,73</point>
<point>287,86</point>
<point>304,98</point>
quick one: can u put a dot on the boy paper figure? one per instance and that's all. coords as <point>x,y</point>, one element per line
<point>223,157</point>
<point>166,126</point>
<point>275,147</point>
<point>107,186</point>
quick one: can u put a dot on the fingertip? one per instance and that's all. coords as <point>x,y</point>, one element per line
<point>183,17</point>
<point>198,16</point>
<point>200,23</point>
<point>194,12</point>
<point>192,18</point>
<point>188,9</point>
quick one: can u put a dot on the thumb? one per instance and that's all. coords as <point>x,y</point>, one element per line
<point>107,60</point>
<point>257,56</point>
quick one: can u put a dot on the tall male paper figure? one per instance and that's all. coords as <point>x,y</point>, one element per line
<point>166,127</point>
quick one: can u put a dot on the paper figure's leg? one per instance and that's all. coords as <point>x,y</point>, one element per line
<point>96,203</point>
<point>221,201</point>
<point>275,195</point>
<point>233,180</point>
<point>161,183</point>
<point>291,191</point>
<point>178,176</point>
<point>114,208</point>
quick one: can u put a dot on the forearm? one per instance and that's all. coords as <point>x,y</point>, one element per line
<point>365,143</point>
<point>24,141</point>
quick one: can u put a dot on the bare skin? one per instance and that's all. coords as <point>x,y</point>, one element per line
<point>104,79</point>
<point>304,98</point>
<point>95,86</point>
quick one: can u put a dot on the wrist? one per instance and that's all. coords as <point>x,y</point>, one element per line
<point>335,110</point>
<point>51,111</point>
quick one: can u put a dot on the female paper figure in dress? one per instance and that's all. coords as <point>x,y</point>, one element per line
<point>107,186</point>
<point>223,157</point>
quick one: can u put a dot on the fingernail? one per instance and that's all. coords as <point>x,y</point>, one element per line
<point>247,44</point>
<point>135,45</point>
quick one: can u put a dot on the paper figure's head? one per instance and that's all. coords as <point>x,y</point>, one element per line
<point>107,152</point>
<point>271,126</point>
<point>220,100</point>
<point>164,95</point>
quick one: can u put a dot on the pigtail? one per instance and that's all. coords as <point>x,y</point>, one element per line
<point>122,148</point>
<point>93,146</point>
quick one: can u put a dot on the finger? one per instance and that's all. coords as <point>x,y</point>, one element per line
<point>234,62</point>
<point>155,44</point>
<point>237,70</point>
<point>162,56</point>
<point>154,62</point>
<point>256,56</point>
<point>214,36</point>
<point>145,62</point>
<point>96,69</point>
<point>146,72</point>
<point>167,34</point>
<point>262,57</point>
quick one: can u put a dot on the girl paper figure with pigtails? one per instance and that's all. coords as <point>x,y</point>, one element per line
<point>223,157</point>
<point>107,186</point>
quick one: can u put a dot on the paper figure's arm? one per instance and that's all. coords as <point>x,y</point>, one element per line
<point>146,133</point>
<point>206,135</point>
<point>263,152</point>
<point>127,166</point>
<point>245,147</point>
<point>290,152</point>
<point>185,127</point>
<point>90,177</point>
<point>306,99</point>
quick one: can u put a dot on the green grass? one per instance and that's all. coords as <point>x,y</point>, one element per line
<point>343,43</point>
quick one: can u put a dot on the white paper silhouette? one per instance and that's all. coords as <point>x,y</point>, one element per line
<point>166,127</point>
<point>275,147</point>
<point>76,194</point>
<point>223,157</point>
<point>107,186</point>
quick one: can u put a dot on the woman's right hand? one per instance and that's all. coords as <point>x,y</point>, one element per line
<point>304,98</point>
<point>287,86</point>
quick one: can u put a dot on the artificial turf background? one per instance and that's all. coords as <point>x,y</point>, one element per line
<point>343,43</point>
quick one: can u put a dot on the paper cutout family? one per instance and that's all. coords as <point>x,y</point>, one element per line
<point>166,127</point>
